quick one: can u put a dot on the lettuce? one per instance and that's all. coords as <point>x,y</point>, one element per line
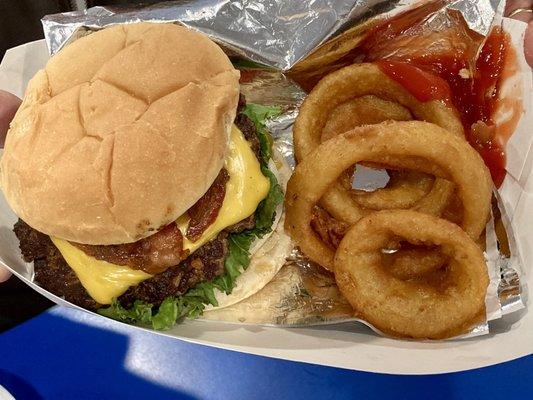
<point>192,303</point>
<point>259,114</point>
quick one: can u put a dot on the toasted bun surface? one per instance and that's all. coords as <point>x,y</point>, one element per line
<point>120,134</point>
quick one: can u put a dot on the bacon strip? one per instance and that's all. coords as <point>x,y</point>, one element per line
<point>153,254</point>
<point>205,211</point>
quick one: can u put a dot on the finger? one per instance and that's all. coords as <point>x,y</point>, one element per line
<point>9,104</point>
<point>513,10</point>
<point>4,274</point>
<point>528,44</point>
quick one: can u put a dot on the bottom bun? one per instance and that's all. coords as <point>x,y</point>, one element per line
<point>268,254</point>
<point>264,265</point>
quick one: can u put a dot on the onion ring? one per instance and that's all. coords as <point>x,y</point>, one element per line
<point>355,81</point>
<point>334,97</point>
<point>404,190</point>
<point>455,159</point>
<point>364,110</point>
<point>419,309</point>
<point>339,202</point>
<point>414,263</point>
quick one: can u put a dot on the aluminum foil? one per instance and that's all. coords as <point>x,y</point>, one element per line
<point>277,33</point>
<point>278,37</point>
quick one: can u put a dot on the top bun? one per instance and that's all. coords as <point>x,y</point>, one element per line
<point>120,134</point>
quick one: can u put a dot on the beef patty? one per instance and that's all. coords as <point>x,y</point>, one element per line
<point>53,273</point>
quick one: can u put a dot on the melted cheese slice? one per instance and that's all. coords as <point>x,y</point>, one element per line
<point>103,280</point>
<point>245,189</point>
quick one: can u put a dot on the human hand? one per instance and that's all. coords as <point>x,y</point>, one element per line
<point>9,104</point>
<point>522,10</point>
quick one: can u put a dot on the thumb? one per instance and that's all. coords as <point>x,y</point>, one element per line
<point>9,104</point>
<point>4,274</point>
<point>528,44</point>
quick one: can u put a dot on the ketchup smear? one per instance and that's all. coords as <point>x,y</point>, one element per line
<point>438,77</point>
<point>423,85</point>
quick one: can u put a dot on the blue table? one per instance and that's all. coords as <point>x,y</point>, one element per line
<point>67,354</point>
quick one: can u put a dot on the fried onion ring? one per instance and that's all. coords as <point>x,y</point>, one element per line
<point>356,81</point>
<point>413,263</point>
<point>330,106</point>
<point>423,308</point>
<point>453,157</point>
<point>404,190</point>
<point>364,110</point>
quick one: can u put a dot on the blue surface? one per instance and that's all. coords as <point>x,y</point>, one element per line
<point>54,357</point>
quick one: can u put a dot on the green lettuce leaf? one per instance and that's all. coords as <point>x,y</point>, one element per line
<point>192,303</point>
<point>141,312</point>
<point>167,314</point>
<point>266,211</point>
<point>247,64</point>
<point>259,115</point>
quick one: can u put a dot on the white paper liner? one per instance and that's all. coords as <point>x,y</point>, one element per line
<point>516,193</point>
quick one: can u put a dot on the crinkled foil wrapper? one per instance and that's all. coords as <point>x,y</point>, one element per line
<point>278,34</point>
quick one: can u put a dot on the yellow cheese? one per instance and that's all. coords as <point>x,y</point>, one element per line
<point>103,280</point>
<point>245,189</point>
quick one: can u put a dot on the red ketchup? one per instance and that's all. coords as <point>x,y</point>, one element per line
<point>421,84</point>
<point>450,77</point>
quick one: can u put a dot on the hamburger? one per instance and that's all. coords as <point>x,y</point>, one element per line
<point>143,182</point>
